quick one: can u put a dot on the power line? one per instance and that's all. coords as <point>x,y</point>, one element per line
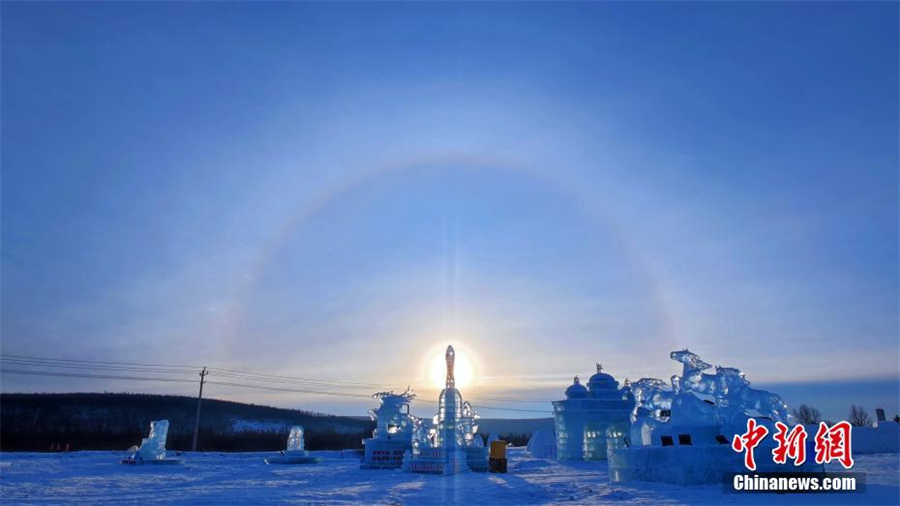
<point>132,364</point>
<point>236,373</point>
<point>290,380</point>
<point>32,363</point>
<point>249,377</point>
<point>177,369</point>
<point>295,390</point>
<point>85,375</point>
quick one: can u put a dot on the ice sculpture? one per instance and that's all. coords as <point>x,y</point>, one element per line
<point>692,378</point>
<point>682,435</point>
<point>651,398</point>
<point>396,431</point>
<point>295,439</point>
<point>453,445</point>
<point>153,447</point>
<point>295,453</point>
<point>389,416</point>
<point>736,396</point>
<point>587,413</point>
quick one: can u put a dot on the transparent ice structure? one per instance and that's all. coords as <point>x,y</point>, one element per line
<point>295,453</point>
<point>453,444</point>
<point>584,416</point>
<point>153,447</point>
<point>683,434</point>
<point>295,439</point>
<point>396,431</point>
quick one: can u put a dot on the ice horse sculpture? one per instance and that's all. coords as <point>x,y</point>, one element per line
<point>651,399</point>
<point>153,447</point>
<point>692,378</point>
<point>295,453</point>
<point>453,445</point>
<point>682,435</point>
<point>735,396</point>
<point>396,431</point>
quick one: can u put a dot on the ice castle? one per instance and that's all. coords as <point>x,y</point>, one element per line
<point>452,445</point>
<point>583,418</point>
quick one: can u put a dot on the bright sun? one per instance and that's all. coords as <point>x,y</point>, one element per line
<point>463,371</point>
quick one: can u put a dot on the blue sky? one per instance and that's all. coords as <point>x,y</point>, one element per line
<point>338,190</point>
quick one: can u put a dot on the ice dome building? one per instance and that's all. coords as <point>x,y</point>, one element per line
<point>583,418</point>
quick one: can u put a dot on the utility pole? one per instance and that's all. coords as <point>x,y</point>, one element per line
<point>203,374</point>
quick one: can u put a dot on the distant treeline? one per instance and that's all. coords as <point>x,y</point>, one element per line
<point>41,422</point>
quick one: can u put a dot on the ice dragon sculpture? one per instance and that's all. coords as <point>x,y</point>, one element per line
<point>390,419</point>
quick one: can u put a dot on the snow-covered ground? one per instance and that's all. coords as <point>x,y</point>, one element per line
<point>243,478</point>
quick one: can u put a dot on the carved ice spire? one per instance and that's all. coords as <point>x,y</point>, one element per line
<point>450,356</point>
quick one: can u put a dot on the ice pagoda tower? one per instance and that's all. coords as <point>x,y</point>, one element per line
<point>583,418</point>
<point>453,445</point>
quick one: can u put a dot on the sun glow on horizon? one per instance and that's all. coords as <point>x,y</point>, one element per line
<point>463,369</point>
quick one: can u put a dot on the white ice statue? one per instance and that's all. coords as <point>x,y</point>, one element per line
<point>682,435</point>
<point>735,396</point>
<point>468,425</point>
<point>392,416</point>
<point>421,436</point>
<point>153,447</point>
<point>295,452</point>
<point>396,431</point>
<point>650,398</point>
<point>452,444</point>
<point>692,378</point>
<point>295,440</point>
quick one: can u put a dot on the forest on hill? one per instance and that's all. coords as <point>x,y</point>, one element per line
<point>116,421</point>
